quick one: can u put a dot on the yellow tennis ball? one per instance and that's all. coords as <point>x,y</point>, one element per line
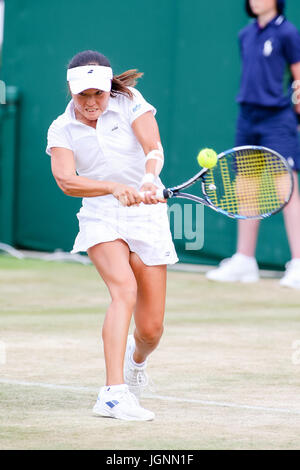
<point>207,158</point>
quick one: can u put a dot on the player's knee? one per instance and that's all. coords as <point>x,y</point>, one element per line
<point>126,294</point>
<point>151,334</point>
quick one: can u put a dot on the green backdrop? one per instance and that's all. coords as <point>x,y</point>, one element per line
<point>188,52</point>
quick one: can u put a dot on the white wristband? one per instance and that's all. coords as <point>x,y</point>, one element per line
<point>155,155</point>
<point>148,178</point>
<point>152,156</point>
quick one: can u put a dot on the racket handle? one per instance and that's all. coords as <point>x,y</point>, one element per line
<point>161,193</point>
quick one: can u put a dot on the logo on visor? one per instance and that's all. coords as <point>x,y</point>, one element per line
<point>91,71</point>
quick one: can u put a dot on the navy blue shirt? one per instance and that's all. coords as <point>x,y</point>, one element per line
<point>266,55</point>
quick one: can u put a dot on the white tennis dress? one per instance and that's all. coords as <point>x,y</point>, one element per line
<point>111,152</point>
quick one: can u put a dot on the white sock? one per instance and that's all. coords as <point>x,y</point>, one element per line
<point>138,365</point>
<point>115,388</point>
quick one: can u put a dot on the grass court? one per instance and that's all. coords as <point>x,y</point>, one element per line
<point>226,374</point>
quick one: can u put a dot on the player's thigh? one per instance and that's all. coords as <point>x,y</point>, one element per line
<point>111,260</point>
<point>151,293</point>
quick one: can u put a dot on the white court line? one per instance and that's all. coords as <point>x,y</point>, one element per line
<point>155,397</point>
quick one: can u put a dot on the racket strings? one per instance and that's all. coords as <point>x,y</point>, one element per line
<point>248,183</point>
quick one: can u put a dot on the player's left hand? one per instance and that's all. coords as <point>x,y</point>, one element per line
<point>150,194</point>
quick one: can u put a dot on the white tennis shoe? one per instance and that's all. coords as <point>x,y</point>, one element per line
<point>135,375</point>
<point>238,268</point>
<point>120,403</point>
<point>291,276</point>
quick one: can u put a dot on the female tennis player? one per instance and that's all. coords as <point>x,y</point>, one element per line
<point>106,148</point>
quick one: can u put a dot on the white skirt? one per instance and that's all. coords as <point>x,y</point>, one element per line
<point>145,228</point>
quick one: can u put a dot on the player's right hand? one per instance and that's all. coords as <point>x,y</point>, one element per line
<point>149,194</point>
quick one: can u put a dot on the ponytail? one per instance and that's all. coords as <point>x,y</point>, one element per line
<point>120,83</point>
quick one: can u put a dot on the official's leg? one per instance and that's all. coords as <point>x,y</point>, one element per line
<point>292,220</point>
<point>247,237</point>
<point>242,266</point>
<point>281,135</point>
<point>246,134</point>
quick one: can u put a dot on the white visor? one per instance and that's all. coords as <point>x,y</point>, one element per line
<point>89,76</point>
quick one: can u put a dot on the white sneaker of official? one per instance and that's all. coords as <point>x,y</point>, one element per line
<point>118,402</point>
<point>238,268</point>
<point>291,276</point>
<point>135,375</point>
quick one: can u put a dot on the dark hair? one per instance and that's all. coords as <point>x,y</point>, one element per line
<point>120,83</point>
<point>280,8</point>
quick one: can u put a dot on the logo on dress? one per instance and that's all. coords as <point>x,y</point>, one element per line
<point>136,108</point>
<point>268,48</point>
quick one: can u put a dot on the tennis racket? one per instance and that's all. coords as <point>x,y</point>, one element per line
<point>248,182</point>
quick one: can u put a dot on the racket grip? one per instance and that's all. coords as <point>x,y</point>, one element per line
<point>161,193</point>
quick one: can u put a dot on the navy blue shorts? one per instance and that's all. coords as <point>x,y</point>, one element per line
<point>275,128</point>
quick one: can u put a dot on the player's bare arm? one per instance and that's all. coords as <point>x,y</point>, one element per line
<point>64,172</point>
<point>146,131</point>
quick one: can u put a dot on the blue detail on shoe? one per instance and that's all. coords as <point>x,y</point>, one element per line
<point>112,403</point>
